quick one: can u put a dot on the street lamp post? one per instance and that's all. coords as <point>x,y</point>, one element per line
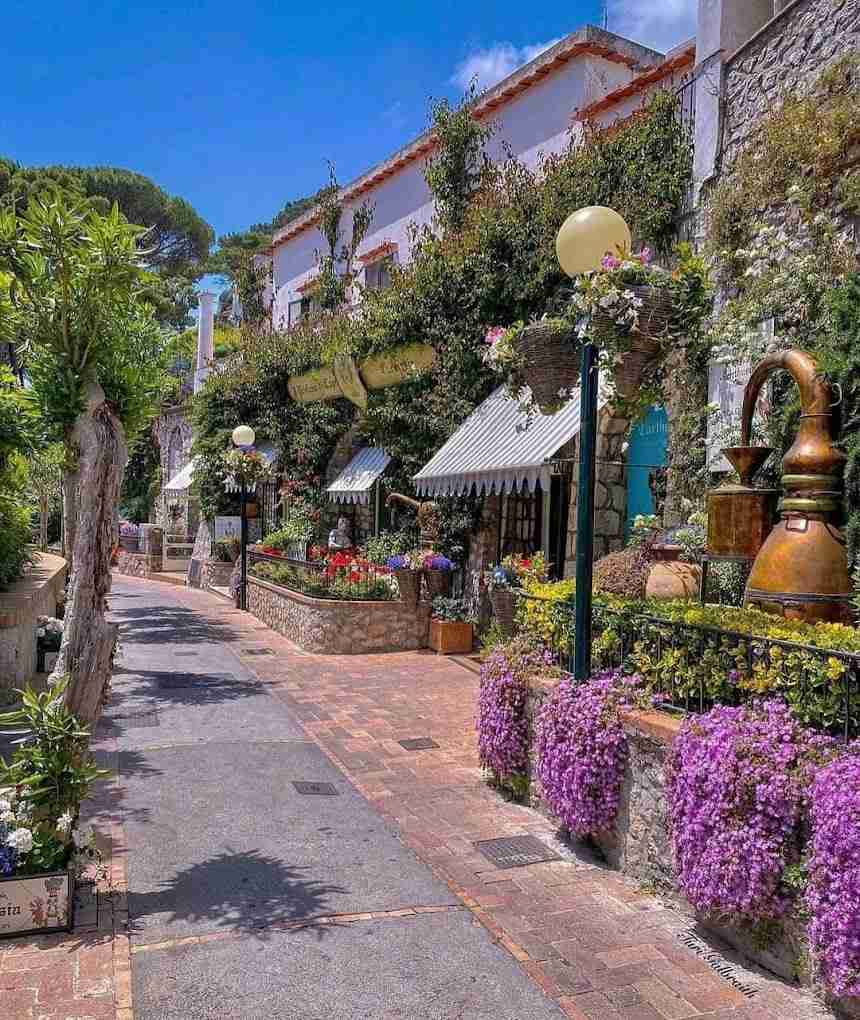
<point>585,237</point>
<point>243,438</point>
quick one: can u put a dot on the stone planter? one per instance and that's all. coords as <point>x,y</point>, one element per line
<point>451,637</point>
<point>409,584</point>
<point>129,542</point>
<point>36,904</point>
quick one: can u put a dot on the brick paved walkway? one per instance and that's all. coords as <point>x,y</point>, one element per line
<point>592,940</point>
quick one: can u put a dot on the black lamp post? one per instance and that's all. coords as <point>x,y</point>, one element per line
<point>243,438</point>
<point>586,236</point>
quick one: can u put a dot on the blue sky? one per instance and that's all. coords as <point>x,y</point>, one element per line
<point>237,107</point>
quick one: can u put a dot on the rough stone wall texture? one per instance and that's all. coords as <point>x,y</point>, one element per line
<point>35,594</point>
<point>339,628</point>
<point>786,56</point>
<point>215,573</point>
<point>138,564</point>
<point>610,492</point>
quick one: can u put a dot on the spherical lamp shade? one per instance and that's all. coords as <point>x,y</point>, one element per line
<point>587,235</point>
<point>243,435</point>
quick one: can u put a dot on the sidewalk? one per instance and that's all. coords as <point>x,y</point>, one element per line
<point>596,945</point>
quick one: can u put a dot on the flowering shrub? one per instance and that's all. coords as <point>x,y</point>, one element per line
<point>735,783</point>
<point>607,291</point>
<point>437,562</point>
<point>128,530</point>
<point>582,751</point>
<point>833,896</point>
<point>501,722</point>
<point>413,560</point>
<point>249,465</point>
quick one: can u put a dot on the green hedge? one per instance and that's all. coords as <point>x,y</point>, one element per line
<point>15,537</point>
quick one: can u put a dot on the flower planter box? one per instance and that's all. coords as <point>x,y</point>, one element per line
<point>36,904</point>
<point>129,542</point>
<point>449,637</point>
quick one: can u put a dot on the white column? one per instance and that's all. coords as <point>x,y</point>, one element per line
<point>205,337</point>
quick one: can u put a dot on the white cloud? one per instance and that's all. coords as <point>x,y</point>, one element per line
<point>660,25</point>
<point>489,66</point>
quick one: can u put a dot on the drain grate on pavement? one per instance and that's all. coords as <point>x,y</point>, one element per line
<point>516,851</point>
<point>314,789</point>
<point>173,681</point>
<point>185,655</point>
<point>257,651</point>
<point>417,743</point>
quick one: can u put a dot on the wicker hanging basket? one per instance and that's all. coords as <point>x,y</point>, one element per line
<point>653,326</point>
<point>438,582</point>
<point>550,358</point>
<point>628,371</point>
<point>502,601</point>
<point>409,584</point>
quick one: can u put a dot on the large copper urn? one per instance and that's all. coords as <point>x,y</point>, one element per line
<point>801,570</point>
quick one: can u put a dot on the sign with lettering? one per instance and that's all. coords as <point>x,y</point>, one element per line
<point>39,903</point>
<point>345,379</point>
<point>321,384</point>
<point>389,369</point>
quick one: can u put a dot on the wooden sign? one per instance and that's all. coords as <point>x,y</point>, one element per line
<point>344,379</point>
<point>321,384</point>
<point>395,366</point>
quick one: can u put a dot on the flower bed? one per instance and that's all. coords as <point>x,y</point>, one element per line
<point>341,576</point>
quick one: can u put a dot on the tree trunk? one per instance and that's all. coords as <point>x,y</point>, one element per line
<point>43,523</point>
<point>86,653</point>
<point>71,483</point>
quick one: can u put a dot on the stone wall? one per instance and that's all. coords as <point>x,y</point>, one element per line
<point>334,627</point>
<point>138,564</point>
<point>785,56</point>
<point>31,596</point>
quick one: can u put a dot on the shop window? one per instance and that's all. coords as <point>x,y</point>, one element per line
<point>522,516</point>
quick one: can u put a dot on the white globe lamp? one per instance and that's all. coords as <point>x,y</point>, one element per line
<point>243,436</point>
<point>587,235</point>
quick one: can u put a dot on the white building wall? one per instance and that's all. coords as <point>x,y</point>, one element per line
<point>537,122</point>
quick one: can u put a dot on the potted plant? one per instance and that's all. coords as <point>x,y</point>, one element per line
<point>129,535</point>
<point>49,636</point>
<point>41,789</point>
<point>543,355</point>
<point>451,627</point>
<point>438,571</point>
<point>407,571</point>
<point>508,575</point>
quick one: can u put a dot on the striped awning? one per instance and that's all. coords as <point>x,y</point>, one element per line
<point>499,448</point>
<point>354,483</point>
<point>181,481</point>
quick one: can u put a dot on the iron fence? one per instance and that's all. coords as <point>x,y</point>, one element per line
<point>693,667</point>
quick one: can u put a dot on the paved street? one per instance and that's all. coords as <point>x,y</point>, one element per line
<point>232,873</point>
<point>232,895</point>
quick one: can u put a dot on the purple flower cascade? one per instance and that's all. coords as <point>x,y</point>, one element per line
<point>501,720</point>
<point>582,751</point>
<point>735,782</point>
<point>833,895</point>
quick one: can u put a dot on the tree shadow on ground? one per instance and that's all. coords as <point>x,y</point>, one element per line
<point>166,624</point>
<point>146,690</point>
<point>108,801</point>
<point>240,892</point>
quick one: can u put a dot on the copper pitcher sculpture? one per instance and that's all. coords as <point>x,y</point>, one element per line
<point>428,516</point>
<point>800,569</point>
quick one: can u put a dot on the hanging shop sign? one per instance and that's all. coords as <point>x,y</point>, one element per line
<point>346,379</point>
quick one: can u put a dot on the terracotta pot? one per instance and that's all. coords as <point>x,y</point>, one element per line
<point>671,579</point>
<point>438,582</point>
<point>449,637</point>
<point>409,583</point>
<point>502,601</point>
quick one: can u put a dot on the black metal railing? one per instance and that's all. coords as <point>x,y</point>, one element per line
<point>693,667</point>
<point>353,580</point>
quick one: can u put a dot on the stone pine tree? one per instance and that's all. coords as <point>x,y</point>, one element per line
<point>91,351</point>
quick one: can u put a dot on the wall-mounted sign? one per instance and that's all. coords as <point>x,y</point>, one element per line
<point>345,379</point>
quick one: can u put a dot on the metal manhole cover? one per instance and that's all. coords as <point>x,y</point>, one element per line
<point>307,788</point>
<point>418,743</point>
<point>178,680</point>
<point>516,851</point>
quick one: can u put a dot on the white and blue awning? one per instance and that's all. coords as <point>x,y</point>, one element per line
<point>181,481</point>
<point>499,448</point>
<point>354,483</point>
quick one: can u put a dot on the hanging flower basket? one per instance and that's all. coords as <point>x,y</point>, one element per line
<point>409,584</point>
<point>502,601</point>
<point>644,335</point>
<point>548,353</point>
